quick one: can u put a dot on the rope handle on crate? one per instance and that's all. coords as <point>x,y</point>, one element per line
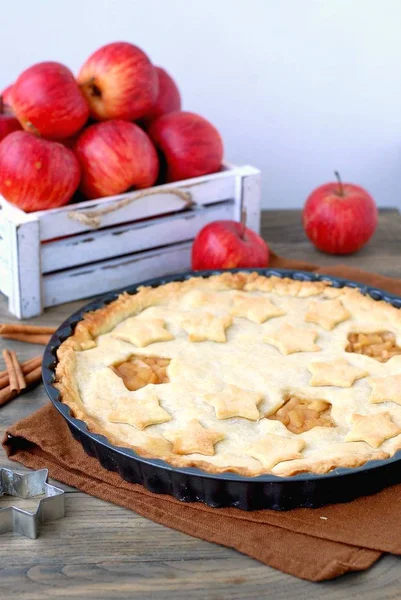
<point>93,218</point>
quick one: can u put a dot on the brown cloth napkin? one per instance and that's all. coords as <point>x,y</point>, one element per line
<point>314,544</point>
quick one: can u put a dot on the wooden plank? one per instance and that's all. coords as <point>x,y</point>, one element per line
<point>4,254</point>
<point>25,276</point>
<point>2,222</point>
<point>203,191</point>
<point>4,279</point>
<point>117,241</point>
<point>90,280</point>
<point>251,197</point>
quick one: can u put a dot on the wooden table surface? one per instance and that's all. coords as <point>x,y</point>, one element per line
<point>104,551</point>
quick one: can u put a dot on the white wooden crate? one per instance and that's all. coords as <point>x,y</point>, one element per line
<point>80,250</point>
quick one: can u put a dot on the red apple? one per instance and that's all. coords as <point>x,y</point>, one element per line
<point>6,96</point>
<point>8,123</point>
<point>168,98</point>
<point>36,174</point>
<point>115,156</point>
<point>339,218</point>
<point>119,82</point>
<point>227,245</point>
<point>47,101</point>
<point>188,143</point>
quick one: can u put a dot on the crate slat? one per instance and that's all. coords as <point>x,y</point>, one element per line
<point>25,298</point>
<point>203,190</point>
<point>4,279</point>
<point>117,241</point>
<point>4,258</point>
<point>91,280</point>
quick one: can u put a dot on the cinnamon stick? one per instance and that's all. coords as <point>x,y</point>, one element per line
<point>18,371</point>
<point>34,376</point>
<point>12,375</point>
<point>6,395</point>
<point>31,338</point>
<point>31,379</point>
<point>26,329</point>
<point>27,367</point>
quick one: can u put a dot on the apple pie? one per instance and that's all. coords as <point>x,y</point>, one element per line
<point>240,373</point>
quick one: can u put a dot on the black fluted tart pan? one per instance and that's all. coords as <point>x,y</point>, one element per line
<point>227,489</point>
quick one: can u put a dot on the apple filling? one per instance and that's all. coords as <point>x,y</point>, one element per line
<point>300,414</point>
<point>138,371</point>
<point>381,345</point>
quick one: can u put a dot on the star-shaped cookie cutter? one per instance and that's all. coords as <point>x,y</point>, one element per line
<point>29,485</point>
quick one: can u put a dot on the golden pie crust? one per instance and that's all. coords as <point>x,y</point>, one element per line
<point>240,373</point>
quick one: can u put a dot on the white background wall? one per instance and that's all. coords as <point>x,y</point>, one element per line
<point>297,88</point>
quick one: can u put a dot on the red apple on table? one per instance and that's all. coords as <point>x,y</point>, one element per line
<point>227,245</point>
<point>8,123</point>
<point>36,174</point>
<point>168,98</point>
<point>119,82</point>
<point>47,101</point>
<point>115,156</point>
<point>339,218</point>
<point>190,146</point>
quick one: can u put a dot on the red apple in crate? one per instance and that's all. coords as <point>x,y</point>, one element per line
<point>37,174</point>
<point>47,101</point>
<point>119,82</point>
<point>115,156</point>
<point>8,123</point>
<point>339,218</point>
<point>6,96</point>
<point>227,245</point>
<point>168,98</point>
<point>189,145</point>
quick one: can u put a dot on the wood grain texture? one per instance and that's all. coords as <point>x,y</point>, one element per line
<point>130,557</point>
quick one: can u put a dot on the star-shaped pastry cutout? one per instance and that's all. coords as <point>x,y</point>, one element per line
<point>385,389</point>
<point>235,402</point>
<point>335,372</point>
<point>193,439</point>
<point>199,298</point>
<point>204,326</point>
<point>140,410</point>
<point>142,332</point>
<point>373,429</point>
<point>254,308</point>
<point>327,314</point>
<point>273,449</point>
<point>289,339</point>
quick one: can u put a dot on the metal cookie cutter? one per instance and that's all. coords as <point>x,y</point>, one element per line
<point>29,485</point>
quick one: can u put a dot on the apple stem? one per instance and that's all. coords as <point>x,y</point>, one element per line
<point>87,82</point>
<point>243,222</point>
<point>340,184</point>
<point>32,129</point>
